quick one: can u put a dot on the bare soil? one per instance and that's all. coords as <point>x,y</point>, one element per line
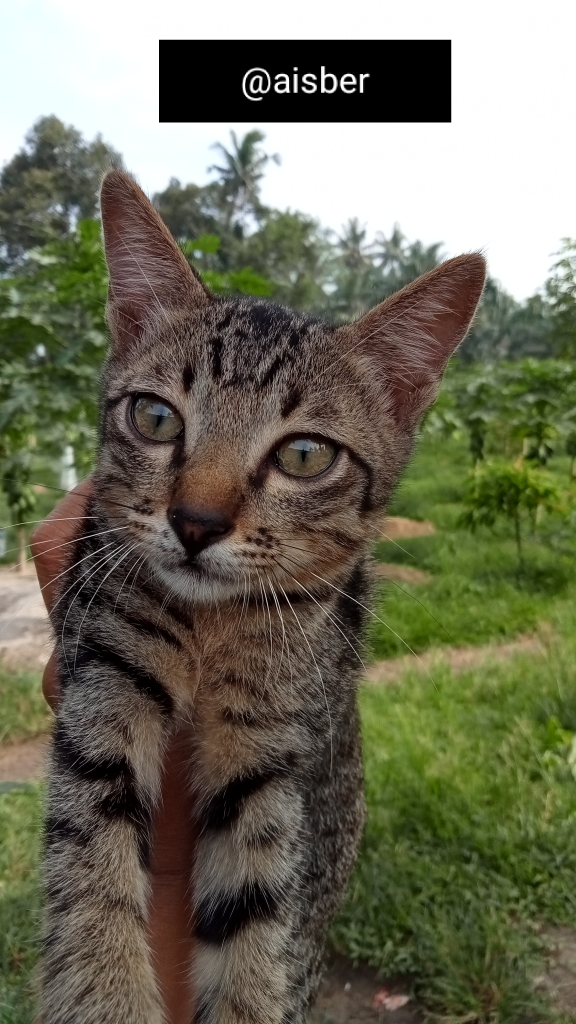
<point>402,573</point>
<point>24,624</point>
<point>24,761</point>
<point>396,527</point>
<point>460,659</point>
<point>559,979</point>
<point>347,996</point>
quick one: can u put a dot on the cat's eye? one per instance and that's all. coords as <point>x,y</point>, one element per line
<point>305,457</point>
<point>156,419</point>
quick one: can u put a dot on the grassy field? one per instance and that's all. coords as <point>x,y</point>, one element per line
<point>20,815</point>
<point>469,853</point>
<point>470,845</point>
<point>24,710</point>
<point>477,593</point>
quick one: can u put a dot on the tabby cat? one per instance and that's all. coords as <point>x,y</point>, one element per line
<point>247,454</point>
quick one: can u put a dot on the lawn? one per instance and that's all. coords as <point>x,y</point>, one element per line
<point>477,592</point>
<point>470,844</point>
<point>24,710</point>
<point>469,852</point>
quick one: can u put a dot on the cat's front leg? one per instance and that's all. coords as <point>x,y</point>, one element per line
<point>246,893</point>
<point>104,778</point>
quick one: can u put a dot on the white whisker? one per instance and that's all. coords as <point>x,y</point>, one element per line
<point>318,671</point>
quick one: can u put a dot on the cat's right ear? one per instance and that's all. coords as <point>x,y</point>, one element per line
<point>150,278</point>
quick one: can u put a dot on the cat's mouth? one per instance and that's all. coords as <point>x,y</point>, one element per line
<point>195,567</point>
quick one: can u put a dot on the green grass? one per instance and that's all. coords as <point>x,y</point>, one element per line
<point>477,592</point>
<point>19,902</point>
<point>24,712</point>
<point>470,844</point>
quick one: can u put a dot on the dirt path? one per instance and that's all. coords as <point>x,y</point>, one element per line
<point>460,659</point>
<point>24,625</point>
<point>355,995</point>
<point>23,762</point>
<point>396,527</point>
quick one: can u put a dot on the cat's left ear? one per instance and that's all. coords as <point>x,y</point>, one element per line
<point>150,278</point>
<point>404,344</point>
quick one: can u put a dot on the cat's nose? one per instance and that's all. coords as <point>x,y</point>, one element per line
<point>197,529</point>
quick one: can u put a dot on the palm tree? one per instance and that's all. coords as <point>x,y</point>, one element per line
<point>240,175</point>
<point>401,261</point>
<point>353,251</point>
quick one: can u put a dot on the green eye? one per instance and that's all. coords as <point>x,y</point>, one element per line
<point>156,419</point>
<point>304,457</point>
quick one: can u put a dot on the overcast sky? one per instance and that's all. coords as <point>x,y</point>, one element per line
<point>500,177</point>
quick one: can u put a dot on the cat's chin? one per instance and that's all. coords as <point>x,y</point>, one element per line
<point>198,585</point>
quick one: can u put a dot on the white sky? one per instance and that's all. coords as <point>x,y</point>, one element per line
<point>500,177</point>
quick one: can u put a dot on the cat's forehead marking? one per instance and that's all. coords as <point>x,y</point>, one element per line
<point>250,344</point>
<point>188,377</point>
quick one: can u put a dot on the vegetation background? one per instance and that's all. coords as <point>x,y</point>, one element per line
<point>468,863</point>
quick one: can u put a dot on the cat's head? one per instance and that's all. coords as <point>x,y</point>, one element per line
<point>246,447</point>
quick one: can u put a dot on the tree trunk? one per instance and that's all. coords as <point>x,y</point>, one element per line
<point>22,547</point>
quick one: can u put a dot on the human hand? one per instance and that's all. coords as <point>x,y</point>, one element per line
<point>169,917</point>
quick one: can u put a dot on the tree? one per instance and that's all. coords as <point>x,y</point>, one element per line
<point>355,276</point>
<point>506,329</point>
<point>400,261</point>
<point>16,459</point>
<point>240,175</point>
<point>477,403</point>
<point>52,343</point>
<point>232,282</point>
<point>508,490</point>
<point>561,292</point>
<point>571,451</point>
<point>49,185</point>
<point>293,252</point>
<point>538,398</point>
<point>189,211</point>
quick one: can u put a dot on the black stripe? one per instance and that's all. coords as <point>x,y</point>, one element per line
<point>240,718</point>
<point>349,611</point>
<point>220,919</point>
<point>202,1013</point>
<point>144,507</point>
<point>125,805</point>
<point>153,630</point>
<point>71,758</point>
<point>144,681</point>
<point>290,402</point>
<point>272,370</point>
<point>268,835</point>
<point>111,403</point>
<point>62,829</point>
<point>125,461</point>
<point>224,807</point>
<point>225,321</point>
<point>180,613</point>
<point>217,345</point>
<point>187,377</point>
<point>367,501</point>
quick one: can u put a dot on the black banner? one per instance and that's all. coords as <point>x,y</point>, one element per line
<point>365,81</point>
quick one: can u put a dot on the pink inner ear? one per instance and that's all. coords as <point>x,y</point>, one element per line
<point>406,341</point>
<point>149,275</point>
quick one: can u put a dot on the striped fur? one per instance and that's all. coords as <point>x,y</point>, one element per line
<point>255,643</point>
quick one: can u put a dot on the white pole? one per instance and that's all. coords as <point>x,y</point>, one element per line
<point>68,475</point>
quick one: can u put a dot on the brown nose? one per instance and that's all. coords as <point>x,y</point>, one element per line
<point>196,530</point>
